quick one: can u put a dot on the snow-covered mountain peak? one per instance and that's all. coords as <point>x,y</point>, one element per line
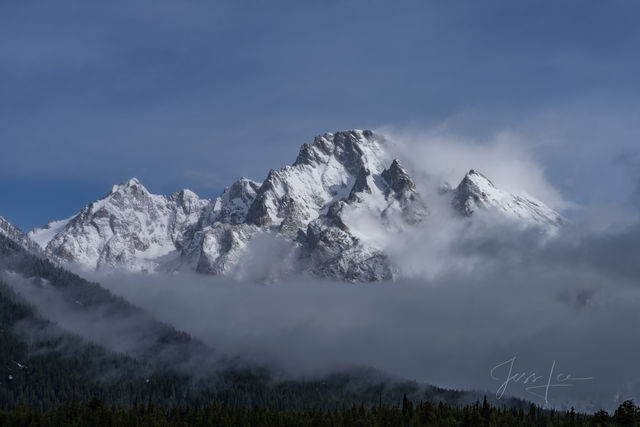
<point>233,205</point>
<point>353,149</point>
<point>336,206</point>
<point>243,189</point>
<point>130,185</point>
<point>128,196</point>
<point>325,171</point>
<point>348,240</point>
<point>397,178</point>
<point>477,181</point>
<point>7,228</point>
<point>129,227</point>
<point>185,197</point>
<point>17,236</point>
<point>477,192</point>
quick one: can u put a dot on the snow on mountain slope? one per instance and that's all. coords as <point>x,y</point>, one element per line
<point>219,238</point>
<point>14,233</point>
<point>42,236</point>
<point>232,206</point>
<point>129,228</point>
<point>348,240</point>
<point>323,172</point>
<point>288,200</point>
<point>9,230</point>
<point>477,192</point>
<point>335,206</point>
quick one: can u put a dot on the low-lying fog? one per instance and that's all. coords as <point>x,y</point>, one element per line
<point>570,307</point>
<point>562,310</point>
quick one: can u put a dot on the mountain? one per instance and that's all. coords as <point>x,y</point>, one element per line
<point>338,244</point>
<point>129,228</point>
<point>16,235</point>
<point>326,210</point>
<point>477,192</point>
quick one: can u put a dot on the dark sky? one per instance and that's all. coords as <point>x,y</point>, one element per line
<point>197,94</point>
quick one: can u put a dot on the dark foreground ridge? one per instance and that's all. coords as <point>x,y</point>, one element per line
<point>95,413</point>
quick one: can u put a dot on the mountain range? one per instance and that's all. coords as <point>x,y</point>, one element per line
<point>315,214</point>
<point>319,216</point>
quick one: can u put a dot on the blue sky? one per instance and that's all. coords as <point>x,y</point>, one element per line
<point>197,94</point>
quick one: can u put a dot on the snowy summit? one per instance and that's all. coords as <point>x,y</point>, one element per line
<point>316,205</point>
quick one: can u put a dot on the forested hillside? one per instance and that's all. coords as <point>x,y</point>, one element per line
<point>96,413</point>
<point>44,365</point>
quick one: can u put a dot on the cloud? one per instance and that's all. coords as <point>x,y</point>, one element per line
<point>473,293</point>
<point>99,318</point>
<point>471,302</point>
<point>507,158</point>
<point>571,300</point>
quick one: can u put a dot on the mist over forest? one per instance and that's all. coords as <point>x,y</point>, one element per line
<point>319,213</point>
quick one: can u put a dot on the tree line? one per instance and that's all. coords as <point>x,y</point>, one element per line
<point>95,413</point>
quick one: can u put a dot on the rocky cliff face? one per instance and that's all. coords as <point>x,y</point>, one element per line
<point>17,236</point>
<point>477,192</point>
<point>329,206</point>
<point>129,228</point>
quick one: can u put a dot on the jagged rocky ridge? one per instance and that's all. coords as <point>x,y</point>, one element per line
<point>16,235</point>
<point>476,191</point>
<point>319,206</point>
